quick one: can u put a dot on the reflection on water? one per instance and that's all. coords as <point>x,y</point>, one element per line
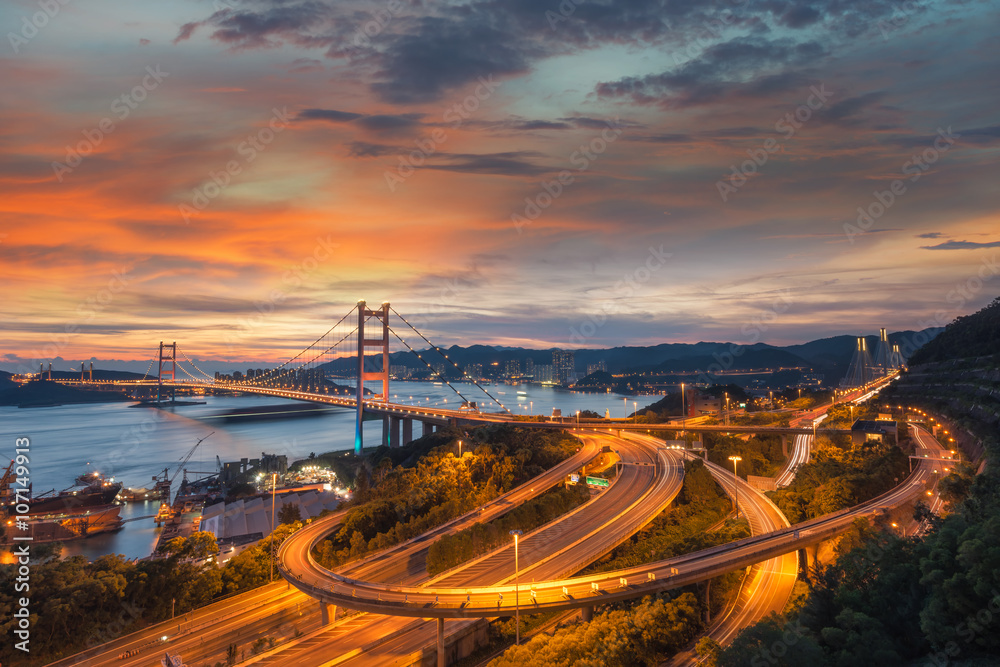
<point>134,444</point>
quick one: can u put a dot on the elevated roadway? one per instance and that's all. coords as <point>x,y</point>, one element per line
<point>552,595</point>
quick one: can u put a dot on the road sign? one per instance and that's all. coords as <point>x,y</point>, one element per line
<point>574,479</point>
<point>597,481</point>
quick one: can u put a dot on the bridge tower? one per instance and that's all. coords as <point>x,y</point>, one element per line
<point>168,366</point>
<point>364,343</point>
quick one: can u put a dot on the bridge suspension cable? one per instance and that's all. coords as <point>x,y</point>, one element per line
<point>195,366</point>
<point>152,361</point>
<point>429,366</point>
<point>273,373</point>
<point>441,352</point>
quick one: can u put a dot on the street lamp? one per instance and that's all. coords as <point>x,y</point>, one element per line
<point>635,416</point>
<point>683,408</point>
<point>577,420</point>
<point>736,483</point>
<point>274,481</point>
<point>517,609</point>
<point>625,401</point>
<point>459,449</point>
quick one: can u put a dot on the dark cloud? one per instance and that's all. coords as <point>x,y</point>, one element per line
<point>331,115</point>
<point>847,111</point>
<point>745,67</point>
<point>930,235</point>
<point>373,122</point>
<point>444,54</point>
<point>503,164</point>
<point>365,149</point>
<point>961,245</point>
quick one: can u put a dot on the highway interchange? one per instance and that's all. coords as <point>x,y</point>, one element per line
<point>395,581</point>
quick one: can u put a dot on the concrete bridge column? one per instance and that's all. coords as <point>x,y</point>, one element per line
<point>807,560</point>
<point>385,431</point>
<point>784,445</point>
<point>708,602</point>
<point>428,428</point>
<point>441,657</point>
<point>587,614</point>
<point>394,431</point>
<point>328,613</point>
<point>407,432</point>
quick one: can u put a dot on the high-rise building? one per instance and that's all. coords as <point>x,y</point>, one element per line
<point>564,363</point>
<point>529,368</point>
<point>545,373</point>
<point>475,371</point>
<point>596,368</point>
<point>512,369</point>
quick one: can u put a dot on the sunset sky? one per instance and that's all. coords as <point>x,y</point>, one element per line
<point>504,171</point>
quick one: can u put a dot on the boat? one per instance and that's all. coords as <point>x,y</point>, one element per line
<point>99,492</point>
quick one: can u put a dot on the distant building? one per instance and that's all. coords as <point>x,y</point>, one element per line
<point>545,373</point>
<point>400,372</point>
<point>475,371</point>
<point>512,369</point>
<point>564,363</point>
<point>599,367</point>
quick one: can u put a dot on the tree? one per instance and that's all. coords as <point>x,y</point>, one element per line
<point>289,513</point>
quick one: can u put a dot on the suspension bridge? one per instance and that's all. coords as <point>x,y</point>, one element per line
<point>357,349</point>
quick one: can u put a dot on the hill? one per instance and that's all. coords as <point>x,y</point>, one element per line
<point>42,393</point>
<point>976,335</point>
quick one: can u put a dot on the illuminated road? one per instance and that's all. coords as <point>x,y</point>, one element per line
<point>649,480</point>
<point>205,634</point>
<point>446,602</point>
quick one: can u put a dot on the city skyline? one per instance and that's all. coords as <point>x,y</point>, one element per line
<point>240,174</point>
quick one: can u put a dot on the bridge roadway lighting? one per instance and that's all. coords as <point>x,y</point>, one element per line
<point>517,609</point>
<point>736,483</point>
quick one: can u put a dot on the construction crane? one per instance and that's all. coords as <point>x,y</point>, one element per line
<point>186,459</point>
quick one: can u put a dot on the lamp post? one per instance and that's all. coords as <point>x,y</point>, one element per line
<point>517,608</point>
<point>635,416</point>
<point>683,408</point>
<point>736,483</point>
<point>727,408</point>
<point>625,408</point>
<point>577,420</point>
<point>459,449</point>
<point>274,481</point>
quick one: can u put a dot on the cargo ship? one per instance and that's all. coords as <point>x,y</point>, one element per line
<point>97,493</point>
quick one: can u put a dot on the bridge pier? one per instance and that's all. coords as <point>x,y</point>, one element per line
<point>440,657</point>
<point>394,423</point>
<point>587,614</point>
<point>385,431</point>
<point>784,445</point>
<point>708,602</point>
<point>328,613</point>
<point>807,560</point>
<point>428,428</point>
<point>407,431</point>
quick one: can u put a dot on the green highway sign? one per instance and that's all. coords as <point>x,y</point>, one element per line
<point>597,481</point>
